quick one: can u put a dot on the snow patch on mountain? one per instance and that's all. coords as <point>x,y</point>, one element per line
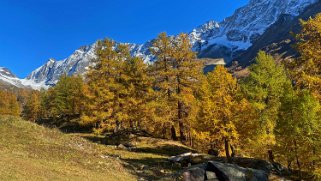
<point>236,33</point>
<point>7,77</point>
<point>239,31</point>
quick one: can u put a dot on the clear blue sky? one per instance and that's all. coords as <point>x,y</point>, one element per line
<point>31,31</point>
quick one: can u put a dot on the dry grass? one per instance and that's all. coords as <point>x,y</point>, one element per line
<point>32,152</point>
<point>149,160</point>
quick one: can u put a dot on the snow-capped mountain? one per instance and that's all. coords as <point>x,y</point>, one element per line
<point>239,31</point>
<point>49,73</point>
<point>8,78</point>
<point>226,39</point>
<point>77,64</point>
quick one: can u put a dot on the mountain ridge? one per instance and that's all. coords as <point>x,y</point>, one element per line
<point>8,79</point>
<point>227,39</point>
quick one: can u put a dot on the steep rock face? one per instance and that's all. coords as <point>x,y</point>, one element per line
<point>227,39</point>
<point>277,39</point>
<point>49,73</point>
<point>76,64</point>
<point>240,31</point>
<point>6,72</point>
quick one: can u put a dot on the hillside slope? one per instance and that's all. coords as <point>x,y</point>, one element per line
<point>31,151</point>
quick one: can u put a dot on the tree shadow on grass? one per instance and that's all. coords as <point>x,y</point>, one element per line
<point>151,168</point>
<point>165,150</point>
<point>156,168</point>
<point>95,139</point>
<point>152,164</point>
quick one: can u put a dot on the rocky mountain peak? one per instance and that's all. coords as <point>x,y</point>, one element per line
<point>227,39</point>
<point>8,78</point>
<point>6,72</point>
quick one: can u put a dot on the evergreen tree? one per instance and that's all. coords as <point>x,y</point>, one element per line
<point>68,96</point>
<point>263,88</point>
<point>65,100</point>
<point>297,129</point>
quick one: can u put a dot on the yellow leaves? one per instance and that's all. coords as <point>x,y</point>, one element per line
<point>222,91</point>
<point>31,108</point>
<point>308,68</point>
<point>119,87</point>
<point>177,76</point>
<point>219,107</point>
<point>259,106</point>
<point>86,120</point>
<point>9,104</point>
<point>266,139</point>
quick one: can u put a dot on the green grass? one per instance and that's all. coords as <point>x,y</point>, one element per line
<point>32,152</point>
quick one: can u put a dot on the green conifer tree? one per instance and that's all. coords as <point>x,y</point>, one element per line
<point>263,88</point>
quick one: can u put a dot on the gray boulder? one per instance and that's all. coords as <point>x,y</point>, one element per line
<point>194,174</point>
<point>216,171</point>
<point>190,158</point>
<point>231,172</point>
<point>209,175</point>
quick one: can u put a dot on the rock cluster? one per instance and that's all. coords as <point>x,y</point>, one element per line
<point>216,171</point>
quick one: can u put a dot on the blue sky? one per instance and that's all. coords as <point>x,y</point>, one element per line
<point>31,31</point>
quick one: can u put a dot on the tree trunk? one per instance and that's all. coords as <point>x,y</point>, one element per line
<point>299,166</point>
<point>121,125</point>
<point>138,125</point>
<point>164,131</point>
<point>180,121</point>
<point>233,151</point>
<point>289,164</point>
<point>182,132</point>
<point>314,155</point>
<point>173,132</point>
<point>190,138</point>
<point>131,123</point>
<point>227,150</point>
<point>271,156</point>
<point>297,160</point>
<point>180,110</point>
<point>117,126</point>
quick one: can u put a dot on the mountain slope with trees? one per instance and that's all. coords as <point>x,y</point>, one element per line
<point>265,115</point>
